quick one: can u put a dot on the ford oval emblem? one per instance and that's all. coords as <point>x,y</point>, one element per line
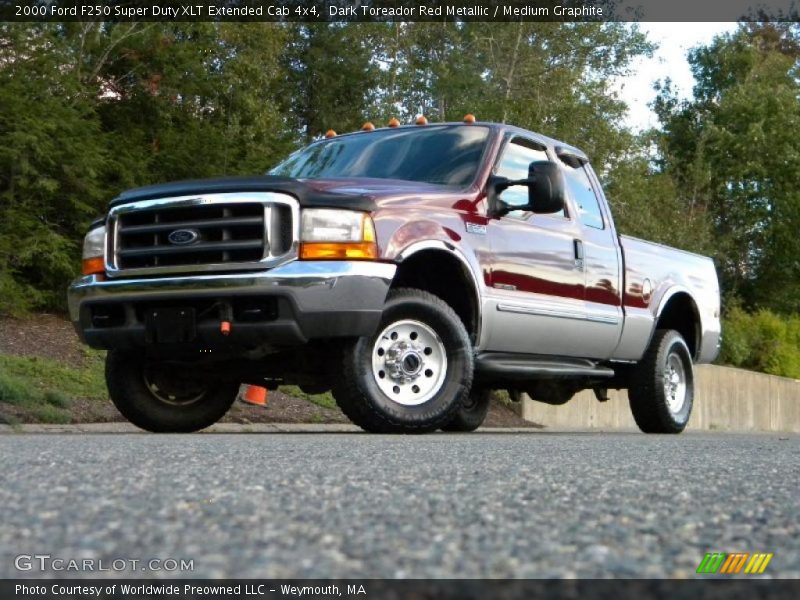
<point>183,237</point>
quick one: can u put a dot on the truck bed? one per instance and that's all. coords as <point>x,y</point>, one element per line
<point>653,274</point>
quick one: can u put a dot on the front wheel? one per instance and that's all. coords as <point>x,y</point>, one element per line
<point>413,374</point>
<point>661,391</point>
<point>165,397</point>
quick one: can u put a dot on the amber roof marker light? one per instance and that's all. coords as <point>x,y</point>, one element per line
<point>469,118</point>
<point>330,133</point>
<point>421,120</point>
<point>393,122</point>
<point>368,127</point>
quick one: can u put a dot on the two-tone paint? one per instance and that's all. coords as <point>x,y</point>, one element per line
<point>537,295</point>
<point>540,284</point>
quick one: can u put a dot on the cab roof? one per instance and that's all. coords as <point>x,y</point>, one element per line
<point>559,148</point>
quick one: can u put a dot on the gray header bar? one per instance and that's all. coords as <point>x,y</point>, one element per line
<point>399,10</point>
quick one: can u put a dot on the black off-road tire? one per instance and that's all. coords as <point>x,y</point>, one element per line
<point>647,393</point>
<point>471,414</point>
<point>126,378</point>
<point>358,394</point>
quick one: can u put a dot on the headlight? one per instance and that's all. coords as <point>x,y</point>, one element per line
<point>337,234</point>
<point>94,245</point>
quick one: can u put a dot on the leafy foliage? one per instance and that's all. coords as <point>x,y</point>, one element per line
<point>734,152</point>
<point>329,79</point>
<point>648,204</point>
<point>762,341</point>
<point>88,109</point>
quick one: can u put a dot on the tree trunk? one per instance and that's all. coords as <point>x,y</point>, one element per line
<point>509,79</point>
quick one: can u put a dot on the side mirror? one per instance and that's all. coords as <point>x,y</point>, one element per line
<point>545,184</point>
<point>547,192</point>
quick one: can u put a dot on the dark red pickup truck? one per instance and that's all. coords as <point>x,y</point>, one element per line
<point>410,270</point>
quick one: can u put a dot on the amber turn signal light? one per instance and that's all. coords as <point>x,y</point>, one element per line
<point>338,250</point>
<point>92,266</point>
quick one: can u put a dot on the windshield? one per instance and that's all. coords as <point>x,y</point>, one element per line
<point>447,155</point>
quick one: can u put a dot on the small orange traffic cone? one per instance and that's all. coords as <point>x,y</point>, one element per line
<point>253,394</point>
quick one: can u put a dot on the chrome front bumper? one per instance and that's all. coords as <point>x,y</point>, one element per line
<point>315,299</point>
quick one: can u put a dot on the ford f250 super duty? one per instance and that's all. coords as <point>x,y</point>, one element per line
<point>408,269</point>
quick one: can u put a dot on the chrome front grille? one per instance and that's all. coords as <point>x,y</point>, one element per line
<point>217,232</point>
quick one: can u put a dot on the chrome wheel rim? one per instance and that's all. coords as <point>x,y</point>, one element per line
<point>409,362</point>
<point>675,383</point>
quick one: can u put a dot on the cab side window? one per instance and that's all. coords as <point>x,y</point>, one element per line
<point>513,164</point>
<point>580,188</point>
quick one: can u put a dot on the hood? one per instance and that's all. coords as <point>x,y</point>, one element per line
<point>354,193</point>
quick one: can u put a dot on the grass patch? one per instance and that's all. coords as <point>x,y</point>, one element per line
<point>324,400</point>
<point>57,399</point>
<point>40,376</point>
<point>47,413</point>
<point>14,391</point>
<point>44,407</point>
<point>45,389</point>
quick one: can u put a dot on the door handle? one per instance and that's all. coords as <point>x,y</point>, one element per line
<point>577,246</point>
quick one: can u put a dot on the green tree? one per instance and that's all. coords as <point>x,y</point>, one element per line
<point>330,78</point>
<point>89,109</point>
<point>194,100</point>
<point>435,70</point>
<point>733,150</point>
<point>52,163</point>
<point>558,79</point>
<point>648,204</point>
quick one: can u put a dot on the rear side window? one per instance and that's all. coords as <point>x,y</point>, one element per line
<point>582,192</point>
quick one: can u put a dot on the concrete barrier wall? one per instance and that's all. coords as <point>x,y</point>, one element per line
<point>726,399</point>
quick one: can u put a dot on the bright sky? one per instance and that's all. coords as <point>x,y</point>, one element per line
<point>674,41</point>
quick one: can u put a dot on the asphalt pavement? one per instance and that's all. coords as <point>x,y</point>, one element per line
<point>293,505</point>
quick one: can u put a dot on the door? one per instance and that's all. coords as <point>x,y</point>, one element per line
<point>601,258</point>
<point>535,297</point>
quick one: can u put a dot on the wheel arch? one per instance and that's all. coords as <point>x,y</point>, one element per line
<point>439,268</point>
<point>678,310</point>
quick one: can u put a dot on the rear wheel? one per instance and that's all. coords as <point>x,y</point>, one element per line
<point>661,391</point>
<point>412,375</point>
<point>472,412</point>
<point>163,397</point>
